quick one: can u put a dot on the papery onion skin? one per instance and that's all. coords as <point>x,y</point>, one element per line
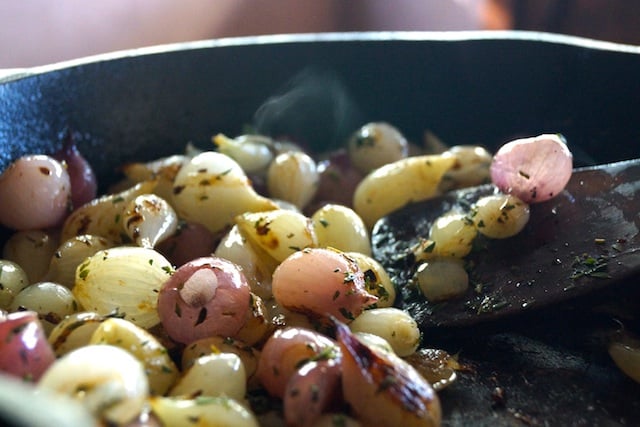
<point>321,283</point>
<point>285,351</point>
<point>35,193</point>
<point>436,366</point>
<point>24,349</point>
<point>534,169</point>
<point>204,297</point>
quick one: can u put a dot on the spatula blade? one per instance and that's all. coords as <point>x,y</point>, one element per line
<point>585,239</point>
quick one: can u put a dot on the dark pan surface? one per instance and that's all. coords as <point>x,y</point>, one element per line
<point>549,261</point>
<point>544,368</point>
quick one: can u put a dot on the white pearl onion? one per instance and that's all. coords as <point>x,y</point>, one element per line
<point>472,167</point>
<point>257,266</point>
<point>293,177</point>
<point>442,278</point>
<point>52,301</point>
<point>217,344</point>
<point>453,235</point>
<point>216,411</point>
<point>74,331</point>
<point>377,280</point>
<point>375,341</point>
<point>31,250</point>
<point>376,144</point>
<point>396,184</point>
<point>342,228</point>
<point>108,380</point>
<point>63,264</point>
<point>278,233</point>
<point>626,356</point>
<point>212,189</point>
<point>13,279</point>
<point>159,367</point>
<point>162,170</point>
<point>215,374</point>
<point>396,326</point>
<point>126,279</point>
<point>500,216</point>
<point>149,219</point>
<point>252,152</point>
<point>103,216</point>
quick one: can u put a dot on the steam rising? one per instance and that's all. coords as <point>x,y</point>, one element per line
<point>313,109</point>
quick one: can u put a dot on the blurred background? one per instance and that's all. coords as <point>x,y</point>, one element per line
<point>38,32</point>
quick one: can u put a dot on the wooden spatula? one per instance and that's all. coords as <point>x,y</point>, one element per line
<point>585,239</point>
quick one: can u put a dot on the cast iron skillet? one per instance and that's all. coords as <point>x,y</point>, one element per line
<point>543,368</point>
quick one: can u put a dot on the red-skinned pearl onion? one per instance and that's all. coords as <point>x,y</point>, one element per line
<point>285,352</point>
<point>205,297</point>
<point>84,185</point>
<point>533,169</point>
<point>321,283</point>
<point>34,193</point>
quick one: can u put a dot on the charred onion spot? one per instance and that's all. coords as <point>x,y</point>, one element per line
<point>262,227</point>
<point>390,379</point>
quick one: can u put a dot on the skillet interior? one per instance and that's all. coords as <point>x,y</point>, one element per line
<point>482,88</point>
